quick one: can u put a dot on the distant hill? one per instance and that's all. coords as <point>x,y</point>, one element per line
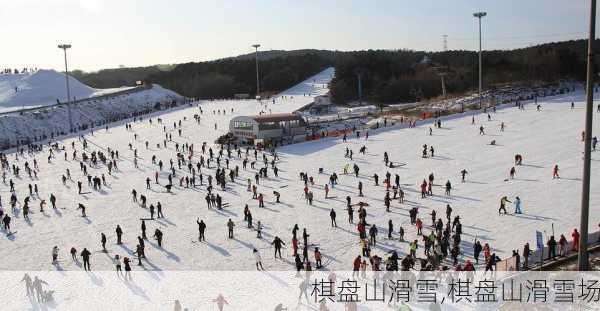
<point>117,77</point>
<point>388,76</point>
<point>226,77</point>
<point>267,55</point>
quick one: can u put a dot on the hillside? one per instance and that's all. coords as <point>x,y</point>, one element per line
<point>41,88</point>
<point>388,76</point>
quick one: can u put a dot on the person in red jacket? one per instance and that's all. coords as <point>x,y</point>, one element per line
<point>419,226</point>
<point>575,236</point>
<point>361,230</point>
<point>318,258</point>
<point>469,266</point>
<point>356,266</point>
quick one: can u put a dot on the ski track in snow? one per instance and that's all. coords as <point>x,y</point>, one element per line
<point>552,136</point>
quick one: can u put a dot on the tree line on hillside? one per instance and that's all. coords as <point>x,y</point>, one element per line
<point>386,76</point>
<point>227,77</point>
<point>405,76</point>
<point>116,77</point>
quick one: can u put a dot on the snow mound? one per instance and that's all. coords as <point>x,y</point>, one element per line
<point>42,88</point>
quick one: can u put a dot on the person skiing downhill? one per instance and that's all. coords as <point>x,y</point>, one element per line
<point>555,172</point>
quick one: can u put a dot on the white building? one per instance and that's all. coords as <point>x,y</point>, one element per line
<point>269,129</point>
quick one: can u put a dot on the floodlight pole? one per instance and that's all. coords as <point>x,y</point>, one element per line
<point>256,46</point>
<point>479,15</point>
<point>64,47</point>
<point>582,258</point>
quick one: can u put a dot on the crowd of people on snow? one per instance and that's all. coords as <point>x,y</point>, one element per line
<point>217,168</point>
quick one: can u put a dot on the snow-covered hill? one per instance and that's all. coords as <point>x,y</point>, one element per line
<point>42,88</point>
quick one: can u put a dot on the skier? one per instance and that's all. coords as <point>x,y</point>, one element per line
<point>54,254</point>
<point>201,229</point>
<point>332,216</point>
<point>477,248</point>
<point>117,263</point>
<point>448,187</point>
<point>103,241</point>
<point>144,230</point>
<point>258,259</point>
<point>82,208</point>
<point>277,242</point>
<point>85,254</point>
<point>555,172</point>
<point>230,226</point>
<point>518,206</point>
<point>463,173</point>
<point>220,300</point>
<point>119,233</point>
<point>158,235</point>
<point>503,202</point>
<point>318,264</point>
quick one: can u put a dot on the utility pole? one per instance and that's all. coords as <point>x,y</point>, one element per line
<point>256,46</point>
<point>479,15</point>
<point>64,47</point>
<point>582,258</point>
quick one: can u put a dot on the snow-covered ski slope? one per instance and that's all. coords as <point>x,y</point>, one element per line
<point>42,88</point>
<point>551,136</point>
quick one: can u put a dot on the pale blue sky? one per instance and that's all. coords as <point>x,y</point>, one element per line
<point>109,33</point>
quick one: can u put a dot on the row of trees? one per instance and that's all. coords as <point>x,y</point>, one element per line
<point>387,76</point>
<point>224,78</point>
<point>404,76</point>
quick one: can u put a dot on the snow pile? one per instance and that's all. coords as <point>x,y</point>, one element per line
<point>52,121</point>
<point>42,88</point>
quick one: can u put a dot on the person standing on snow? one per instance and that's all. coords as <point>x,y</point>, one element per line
<point>463,173</point>
<point>230,226</point>
<point>201,229</point>
<point>85,254</point>
<point>503,202</point>
<point>555,172</point>
<point>258,259</point>
<point>518,206</point>
<point>332,215</point>
<point>54,254</point>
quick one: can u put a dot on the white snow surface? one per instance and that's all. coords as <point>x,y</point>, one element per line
<point>45,121</point>
<point>551,136</point>
<point>42,88</point>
